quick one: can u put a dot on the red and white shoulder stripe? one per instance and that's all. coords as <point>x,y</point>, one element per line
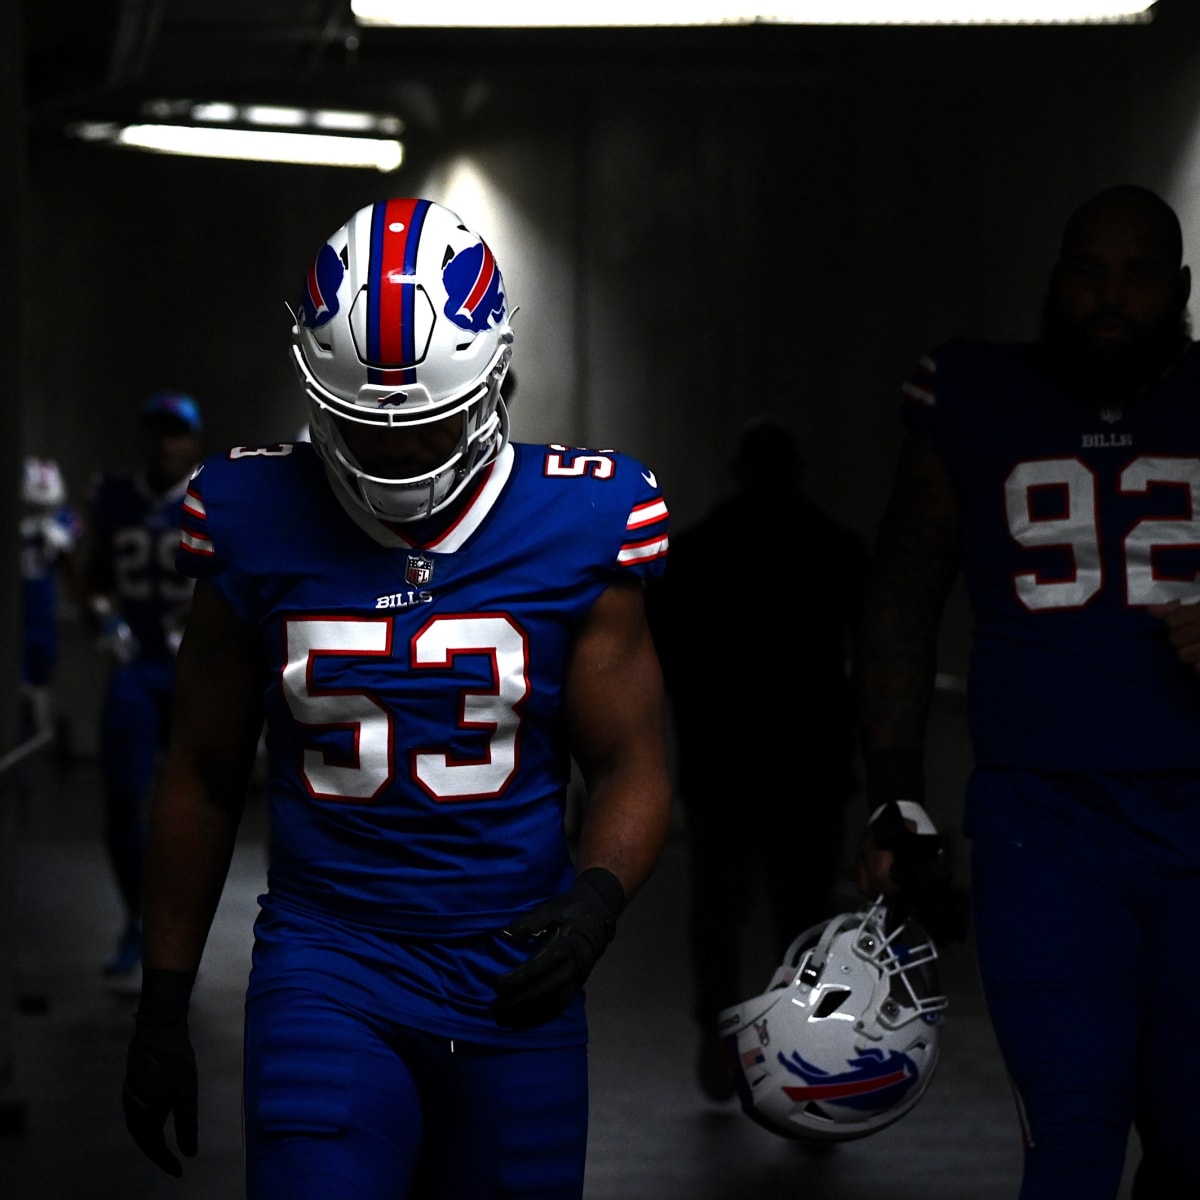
<point>920,385</point>
<point>193,537</point>
<point>644,518</point>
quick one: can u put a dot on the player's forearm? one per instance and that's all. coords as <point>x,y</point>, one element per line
<point>894,677</point>
<point>191,841</point>
<point>96,574</point>
<point>616,714</point>
<point>916,561</point>
<point>625,825</point>
<point>896,652</point>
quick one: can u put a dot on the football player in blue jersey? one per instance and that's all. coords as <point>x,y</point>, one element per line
<point>433,621</point>
<point>1063,479</point>
<point>50,529</point>
<point>137,607</point>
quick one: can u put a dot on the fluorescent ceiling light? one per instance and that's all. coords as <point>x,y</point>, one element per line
<point>253,145</point>
<point>355,122</point>
<point>272,116</point>
<point>216,111</point>
<point>275,115</point>
<point>555,14</point>
<point>276,133</point>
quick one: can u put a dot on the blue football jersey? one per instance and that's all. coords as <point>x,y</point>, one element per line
<point>45,538</point>
<point>136,532</point>
<point>1075,519</point>
<point>419,764</point>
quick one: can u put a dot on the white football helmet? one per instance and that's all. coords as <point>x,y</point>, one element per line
<point>403,321</point>
<point>845,1039</point>
<point>42,483</point>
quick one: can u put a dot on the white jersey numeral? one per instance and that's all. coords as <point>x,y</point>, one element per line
<point>1143,583</point>
<point>437,645</point>
<point>495,710</point>
<point>144,565</point>
<point>1074,528</point>
<point>308,640</point>
<point>278,450</point>
<point>598,465</point>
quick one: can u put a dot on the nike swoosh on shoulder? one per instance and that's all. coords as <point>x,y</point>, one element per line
<point>648,476</point>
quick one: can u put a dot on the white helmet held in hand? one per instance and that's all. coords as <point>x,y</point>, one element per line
<point>845,1039</point>
<point>403,321</point>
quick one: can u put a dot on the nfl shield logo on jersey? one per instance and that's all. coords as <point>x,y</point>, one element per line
<point>419,570</point>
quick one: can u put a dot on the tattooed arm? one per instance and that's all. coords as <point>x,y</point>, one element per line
<point>917,559</point>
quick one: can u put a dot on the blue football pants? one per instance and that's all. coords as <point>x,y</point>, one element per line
<point>1089,954</point>
<point>342,1102</point>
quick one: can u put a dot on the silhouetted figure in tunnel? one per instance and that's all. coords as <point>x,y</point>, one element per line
<point>754,621</point>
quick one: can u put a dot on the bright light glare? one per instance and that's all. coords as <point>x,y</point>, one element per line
<point>215,111</point>
<point>547,14</point>
<point>94,131</point>
<point>332,120</point>
<point>347,122</point>
<point>257,145</point>
<point>272,114</point>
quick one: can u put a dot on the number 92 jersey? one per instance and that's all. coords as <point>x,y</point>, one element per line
<point>1074,520</point>
<point>417,744</point>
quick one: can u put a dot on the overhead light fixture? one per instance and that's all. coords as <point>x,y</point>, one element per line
<point>628,13</point>
<point>257,133</point>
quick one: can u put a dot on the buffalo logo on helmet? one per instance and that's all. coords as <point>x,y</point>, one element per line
<point>874,1079</point>
<point>474,289</point>
<point>318,297</point>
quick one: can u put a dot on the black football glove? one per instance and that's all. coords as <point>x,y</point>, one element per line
<point>571,932</point>
<point>160,1069</point>
<point>921,869</point>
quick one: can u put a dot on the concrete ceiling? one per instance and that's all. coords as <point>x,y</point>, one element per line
<point>105,57</point>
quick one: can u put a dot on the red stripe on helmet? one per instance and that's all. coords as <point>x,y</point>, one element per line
<point>393,311</point>
<point>487,272</point>
<point>839,1091</point>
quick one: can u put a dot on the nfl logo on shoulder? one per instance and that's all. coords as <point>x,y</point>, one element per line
<point>419,570</point>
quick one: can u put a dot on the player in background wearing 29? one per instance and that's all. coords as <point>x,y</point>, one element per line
<point>137,607</point>
<point>433,619</point>
<point>1063,479</point>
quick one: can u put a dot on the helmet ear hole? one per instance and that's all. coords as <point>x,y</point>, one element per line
<point>830,1002</point>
